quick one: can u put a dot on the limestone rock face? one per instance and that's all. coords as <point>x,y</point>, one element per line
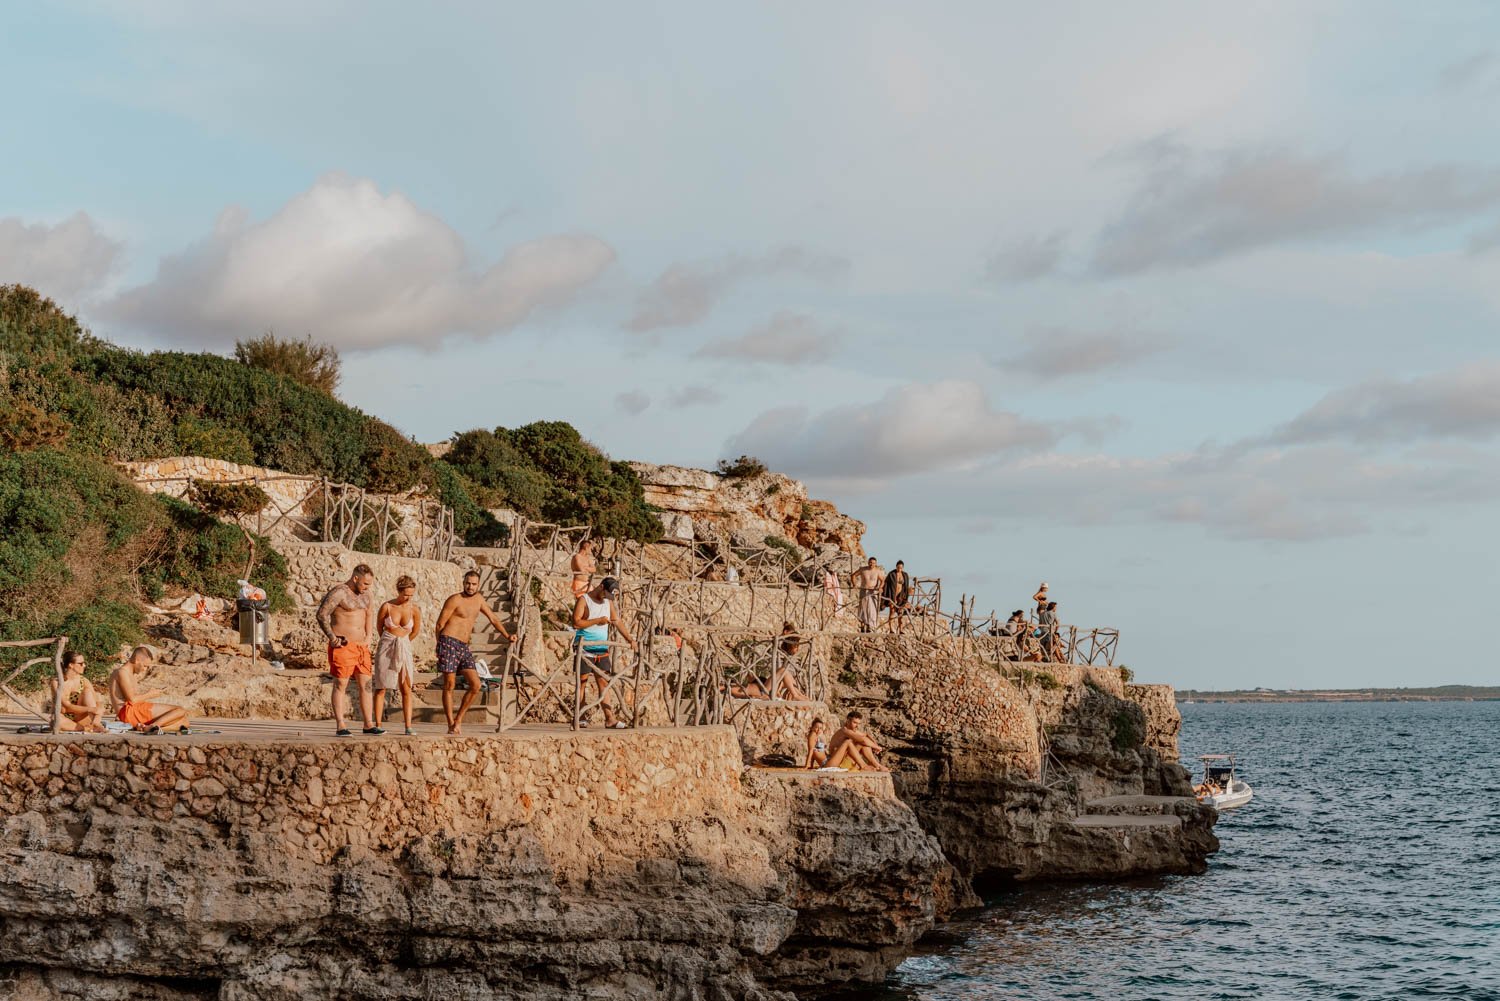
<point>703,506</point>
<point>1003,769</point>
<point>551,867</point>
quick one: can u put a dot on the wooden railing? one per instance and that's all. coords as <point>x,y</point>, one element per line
<point>59,645</point>
<point>340,512</point>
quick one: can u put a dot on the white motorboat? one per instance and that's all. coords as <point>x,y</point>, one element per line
<point>1221,788</point>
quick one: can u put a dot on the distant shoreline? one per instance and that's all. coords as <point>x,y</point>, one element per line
<point>1441,693</point>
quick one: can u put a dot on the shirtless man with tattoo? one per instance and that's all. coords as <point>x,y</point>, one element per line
<point>347,618</point>
<point>455,627</point>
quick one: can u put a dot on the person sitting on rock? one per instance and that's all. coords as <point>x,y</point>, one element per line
<point>80,709</point>
<point>784,686</point>
<point>133,706</point>
<point>818,757</point>
<point>851,740</point>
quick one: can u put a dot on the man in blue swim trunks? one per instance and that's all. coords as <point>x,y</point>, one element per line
<point>455,627</point>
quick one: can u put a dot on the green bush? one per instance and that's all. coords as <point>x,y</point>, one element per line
<point>546,471</point>
<point>471,521</point>
<point>315,366</point>
<point>788,551</point>
<point>1127,730</point>
<point>72,532</point>
<point>392,462</point>
<point>1126,674</point>
<point>200,553</point>
<point>744,468</point>
<point>196,436</point>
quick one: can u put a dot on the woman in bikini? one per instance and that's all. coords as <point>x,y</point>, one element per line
<point>397,622</point>
<point>81,709</point>
<point>583,566</point>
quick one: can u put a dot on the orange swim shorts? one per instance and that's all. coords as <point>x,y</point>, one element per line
<point>136,713</point>
<point>349,660</point>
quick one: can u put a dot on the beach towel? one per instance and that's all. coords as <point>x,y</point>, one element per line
<point>393,659</point>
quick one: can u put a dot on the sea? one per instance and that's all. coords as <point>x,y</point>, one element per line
<point>1366,867</point>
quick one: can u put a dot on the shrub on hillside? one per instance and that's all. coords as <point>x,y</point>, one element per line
<point>471,521</point>
<point>315,366</point>
<point>73,530</point>
<point>25,427</point>
<point>509,479</point>
<point>392,463</point>
<point>200,553</point>
<point>196,436</point>
<point>744,468</point>
<point>546,471</point>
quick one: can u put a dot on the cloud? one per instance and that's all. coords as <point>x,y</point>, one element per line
<point>67,261</point>
<point>1293,494</point>
<point>786,339</point>
<point>911,429</point>
<point>1478,70</point>
<point>356,267</point>
<point>1057,352</point>
<point>1025,260</point>
<point>694,396</point>
<point>632,402</point>
<point>1461,403</point>
<point>686,293</point>
<point>1192,210</point>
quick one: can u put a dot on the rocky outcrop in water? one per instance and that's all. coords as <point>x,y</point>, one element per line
<point>1031,772</point>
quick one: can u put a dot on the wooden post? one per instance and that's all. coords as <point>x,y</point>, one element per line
<point>57,667</point>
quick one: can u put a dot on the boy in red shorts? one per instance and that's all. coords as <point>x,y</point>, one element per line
<point>347,618</point>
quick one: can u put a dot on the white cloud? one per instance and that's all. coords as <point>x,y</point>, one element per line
<point>67,261</point>
<point>1460,403</point>
<point>694,396</point>
<point>686,293</point>
<point>1056,352</point>
<point>1025,260</point>
<point>911,429</point>
<point>1296,494</point>
<point>785,339</point>
<point>632,402</point>
<point>1192,209</point>
<point>354,266</point>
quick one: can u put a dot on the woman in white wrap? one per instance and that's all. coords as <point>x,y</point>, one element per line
<point>398,621</point>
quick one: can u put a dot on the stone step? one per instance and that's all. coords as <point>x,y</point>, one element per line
<point>1142,806</point>
<point>477,714</point>
<point>1127,822</point>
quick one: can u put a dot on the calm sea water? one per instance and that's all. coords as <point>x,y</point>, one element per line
<point>1367,866</point>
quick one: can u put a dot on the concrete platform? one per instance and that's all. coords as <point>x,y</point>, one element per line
<point>1127,822</point>
<point>1139,805</point>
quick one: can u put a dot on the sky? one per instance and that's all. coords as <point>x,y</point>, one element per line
<point>1189,310</point>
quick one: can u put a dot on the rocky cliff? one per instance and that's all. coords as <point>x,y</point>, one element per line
<point>1037,773</point>
<point>557,866</point>
<point>701,506</point>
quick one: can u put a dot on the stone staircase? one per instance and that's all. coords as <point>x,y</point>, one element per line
<point>1136,813</point>
<point>488,645</point>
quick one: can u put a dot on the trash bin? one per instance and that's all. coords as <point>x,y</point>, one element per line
<point>255,621</point>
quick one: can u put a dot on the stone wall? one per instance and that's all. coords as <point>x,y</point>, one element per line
<point>548,866</point>
<point>289,492</point>
<point>314,567</point>
<point>317,797</point>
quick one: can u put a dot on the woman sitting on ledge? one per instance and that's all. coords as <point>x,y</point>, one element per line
<point>818,758</point>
